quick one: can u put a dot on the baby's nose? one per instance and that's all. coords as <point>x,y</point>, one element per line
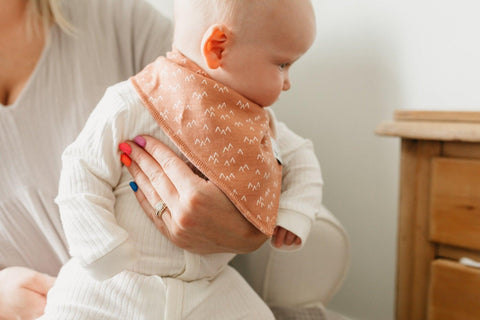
<point>286,84</point>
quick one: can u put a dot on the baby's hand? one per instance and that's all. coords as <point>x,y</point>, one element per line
<point>283,236</point>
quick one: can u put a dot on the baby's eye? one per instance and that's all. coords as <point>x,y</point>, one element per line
<point>283,66</point>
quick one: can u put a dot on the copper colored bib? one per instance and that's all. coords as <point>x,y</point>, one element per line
<point>226,136</point>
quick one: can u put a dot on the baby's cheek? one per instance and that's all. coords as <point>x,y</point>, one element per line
<point>270,95</point>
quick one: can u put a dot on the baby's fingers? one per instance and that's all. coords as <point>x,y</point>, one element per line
<point>289,238</point>
<point>279,237</point>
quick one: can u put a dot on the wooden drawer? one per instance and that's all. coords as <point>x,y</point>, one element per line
<point>455,202</point>
<point>454,291</point>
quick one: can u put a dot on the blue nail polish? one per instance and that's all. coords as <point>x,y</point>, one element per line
<point>134,186</point>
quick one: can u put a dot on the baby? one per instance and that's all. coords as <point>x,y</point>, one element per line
<point>206,100</point>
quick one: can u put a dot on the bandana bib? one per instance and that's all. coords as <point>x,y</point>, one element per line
<point>223,134</point>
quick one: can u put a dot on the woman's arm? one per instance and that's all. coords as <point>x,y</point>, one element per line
<point>23,293</point>
<point>200,218</point>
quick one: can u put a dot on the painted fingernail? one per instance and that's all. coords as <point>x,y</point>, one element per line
<point>125,148</point>
<point>134,186</point>
<point>140,141</point>
<point>125,160</point>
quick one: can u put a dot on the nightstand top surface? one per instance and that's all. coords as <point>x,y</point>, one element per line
<point>433,125</point>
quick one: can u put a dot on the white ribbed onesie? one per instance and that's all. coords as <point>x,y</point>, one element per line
<point>108,232</point>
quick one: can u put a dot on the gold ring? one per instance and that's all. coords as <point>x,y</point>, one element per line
<point>160,207</point>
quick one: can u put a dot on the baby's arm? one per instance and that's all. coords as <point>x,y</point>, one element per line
<point>302,185</point>
<point>90,172</point>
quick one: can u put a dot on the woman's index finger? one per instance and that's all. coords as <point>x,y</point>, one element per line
<point>174,167</point>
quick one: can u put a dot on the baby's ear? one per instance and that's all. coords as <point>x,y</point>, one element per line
<point>214,42</point>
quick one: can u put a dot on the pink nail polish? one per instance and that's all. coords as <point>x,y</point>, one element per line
<point>140,141</point>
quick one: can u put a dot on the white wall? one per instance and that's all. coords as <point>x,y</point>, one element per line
<point>370,58</point>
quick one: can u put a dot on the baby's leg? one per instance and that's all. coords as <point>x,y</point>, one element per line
<point>228,296</point>
<point>76,296</point>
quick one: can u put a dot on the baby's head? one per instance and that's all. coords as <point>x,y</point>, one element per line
<point>248,45</point>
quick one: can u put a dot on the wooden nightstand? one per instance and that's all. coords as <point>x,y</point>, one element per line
<point>439,214</point>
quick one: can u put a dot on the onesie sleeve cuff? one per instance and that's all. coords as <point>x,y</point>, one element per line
<point>297,223</point>
<point>117,260</point>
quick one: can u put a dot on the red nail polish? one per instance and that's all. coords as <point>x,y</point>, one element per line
<point>125,160</point>
<point>125,148</point>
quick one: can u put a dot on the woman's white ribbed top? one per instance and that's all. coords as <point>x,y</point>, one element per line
<point>114,40</point>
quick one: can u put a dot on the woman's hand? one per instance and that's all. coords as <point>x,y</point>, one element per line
<point>23,293</point>
<point>200,218</point>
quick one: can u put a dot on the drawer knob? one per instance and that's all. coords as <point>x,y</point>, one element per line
<point>470,262</point>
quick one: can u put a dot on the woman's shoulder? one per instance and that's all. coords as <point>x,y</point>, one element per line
<point>127,31</point>
<point>97,13</point>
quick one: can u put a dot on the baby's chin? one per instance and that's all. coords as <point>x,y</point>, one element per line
<point>265,104</point>
<point>269,104</point>
<point>261,102</point>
